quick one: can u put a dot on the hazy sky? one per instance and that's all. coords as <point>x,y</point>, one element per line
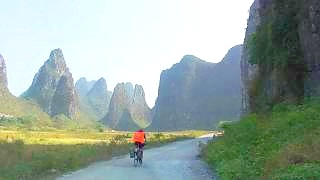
<point>120,40</point>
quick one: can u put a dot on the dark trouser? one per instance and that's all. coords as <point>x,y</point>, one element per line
<point>139,145</point>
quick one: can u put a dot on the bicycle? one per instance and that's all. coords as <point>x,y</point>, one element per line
<point>137,155</point>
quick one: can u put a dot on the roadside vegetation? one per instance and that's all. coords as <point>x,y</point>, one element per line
<point>283,144</point>
<point>38,155</point>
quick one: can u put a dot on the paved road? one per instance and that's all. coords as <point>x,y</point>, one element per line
<point>176,161</point>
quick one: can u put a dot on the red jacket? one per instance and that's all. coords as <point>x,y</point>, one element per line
<point>139,136</point>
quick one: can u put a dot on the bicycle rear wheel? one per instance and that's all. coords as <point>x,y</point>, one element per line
<point>135,159</point>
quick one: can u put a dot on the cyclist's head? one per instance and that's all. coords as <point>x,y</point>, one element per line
<point>140,130</point>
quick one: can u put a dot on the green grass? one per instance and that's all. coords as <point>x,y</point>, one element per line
<point>284,144</point>
<point>24,109</point>
<point>39,155</point>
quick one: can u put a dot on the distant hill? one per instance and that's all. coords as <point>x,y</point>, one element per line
<point>95,96</point>
<point>83,86</point>
<point>195,94</point>
<point>52,87</point>
<point>128,109</point>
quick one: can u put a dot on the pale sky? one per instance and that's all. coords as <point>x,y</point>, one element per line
<point>120,40</point>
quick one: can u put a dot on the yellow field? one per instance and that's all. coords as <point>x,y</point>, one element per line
<point>58,137</point>
<point>72,138</point>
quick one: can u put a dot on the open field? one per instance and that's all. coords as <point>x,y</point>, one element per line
<point>32,155</point>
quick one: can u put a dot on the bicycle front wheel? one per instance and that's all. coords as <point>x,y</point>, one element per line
<point>135,162</point>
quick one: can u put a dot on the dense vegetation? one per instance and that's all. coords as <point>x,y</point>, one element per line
<point>276,41</point>
<point>33,155</point>
<point>281,145</point>
<point>275,48</point>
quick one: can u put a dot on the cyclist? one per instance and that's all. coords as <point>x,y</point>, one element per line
<point>139,139</point>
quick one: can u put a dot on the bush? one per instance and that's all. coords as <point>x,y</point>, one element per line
<point>119,139</point>
<point>224,124</point>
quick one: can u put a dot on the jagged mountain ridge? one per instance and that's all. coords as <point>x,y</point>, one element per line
<point>83,86</point>
<point>95,96</point>
<point>52,87</point>
<point>53,90</point>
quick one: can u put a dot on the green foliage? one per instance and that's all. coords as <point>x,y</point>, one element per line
<point>304,171</point>
<point>281,145</point>
<point>275,48</point>
<point>276,41</point>
<point>224,124</point>
<point>259,46</point>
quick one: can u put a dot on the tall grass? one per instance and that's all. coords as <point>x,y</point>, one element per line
<point>284,144</point>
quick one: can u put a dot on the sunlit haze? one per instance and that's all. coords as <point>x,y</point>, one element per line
<point>120,40</point>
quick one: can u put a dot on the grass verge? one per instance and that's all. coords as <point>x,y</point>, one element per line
<point>284,144</point>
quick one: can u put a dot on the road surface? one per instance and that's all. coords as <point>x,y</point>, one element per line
<point>176,161</point>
